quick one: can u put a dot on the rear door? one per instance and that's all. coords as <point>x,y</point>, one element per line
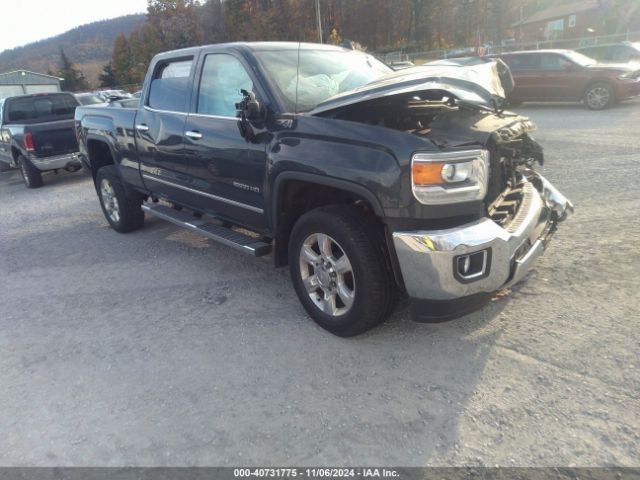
<point>159,127</point>
<point>525,69</point>
<point>227,172</point>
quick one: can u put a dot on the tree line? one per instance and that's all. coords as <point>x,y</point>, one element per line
<point>376,25</point>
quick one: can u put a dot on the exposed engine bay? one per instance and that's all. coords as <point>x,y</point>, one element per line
<point>449,124</point>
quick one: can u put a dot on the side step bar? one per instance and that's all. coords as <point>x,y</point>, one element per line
<point>224,235</point>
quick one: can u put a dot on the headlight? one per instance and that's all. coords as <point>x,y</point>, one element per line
<point>450,177</point>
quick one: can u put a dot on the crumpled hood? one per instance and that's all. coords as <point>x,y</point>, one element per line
<point>477,85</point>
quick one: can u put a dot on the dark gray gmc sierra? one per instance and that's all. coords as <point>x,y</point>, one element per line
<point>368,183</point>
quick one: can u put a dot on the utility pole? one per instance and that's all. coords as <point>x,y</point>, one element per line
<point>319,20</point>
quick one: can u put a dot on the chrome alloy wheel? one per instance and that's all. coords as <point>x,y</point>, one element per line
<point>109,200</point>
<point>327,274</point>
<point>598,97</point>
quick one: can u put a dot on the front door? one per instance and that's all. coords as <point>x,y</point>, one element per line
<point>226,170</point>
<point>557,75</point>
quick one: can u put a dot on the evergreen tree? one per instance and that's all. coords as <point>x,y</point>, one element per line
<point>73,79</point>
<point>108,77</point>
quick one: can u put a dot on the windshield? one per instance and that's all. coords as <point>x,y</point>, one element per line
<point>41,108</point>
<point>579,58</point>
<point>321,74</point>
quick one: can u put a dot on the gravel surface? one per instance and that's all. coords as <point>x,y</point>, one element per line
<point>162,348</point>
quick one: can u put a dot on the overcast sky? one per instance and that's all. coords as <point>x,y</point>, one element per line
<point>26,21</point>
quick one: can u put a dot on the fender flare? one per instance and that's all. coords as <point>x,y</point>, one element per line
<point>337,183</point>
<point>105,140</point>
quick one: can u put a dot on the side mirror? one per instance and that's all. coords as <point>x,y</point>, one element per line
<point>249,110</point>
<point>249,107</point>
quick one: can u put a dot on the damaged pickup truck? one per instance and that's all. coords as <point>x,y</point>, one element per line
<point>366,182</point>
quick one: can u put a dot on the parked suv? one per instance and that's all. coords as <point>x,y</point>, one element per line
<point>565,75</point>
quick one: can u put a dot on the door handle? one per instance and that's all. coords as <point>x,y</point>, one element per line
<point>141,127</point>
<point>194,135</point>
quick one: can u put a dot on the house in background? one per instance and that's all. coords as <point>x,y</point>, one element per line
<point>569,21</point>
<point>22,82</point>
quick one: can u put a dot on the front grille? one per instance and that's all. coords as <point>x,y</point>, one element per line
<point>509,208</point>
<point>497,177</point>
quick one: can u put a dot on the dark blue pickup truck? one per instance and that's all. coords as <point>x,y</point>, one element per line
<point>368,183</point>
<point>37,135</point>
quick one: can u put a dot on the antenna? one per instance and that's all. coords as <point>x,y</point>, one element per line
<point>319,19</point>
<point>298,76</point>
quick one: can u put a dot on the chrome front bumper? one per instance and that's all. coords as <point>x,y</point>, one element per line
<point>68,160</point>
<point>429,259</point>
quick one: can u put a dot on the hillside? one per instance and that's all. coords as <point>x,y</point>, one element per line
<point>88,46</point>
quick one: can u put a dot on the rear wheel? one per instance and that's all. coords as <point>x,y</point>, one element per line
<point>30,174</point>
<point>338,269</point>
<point>121,208</point>
<point>599,96</point>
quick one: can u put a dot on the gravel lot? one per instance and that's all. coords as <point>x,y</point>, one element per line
<point>162,348</point>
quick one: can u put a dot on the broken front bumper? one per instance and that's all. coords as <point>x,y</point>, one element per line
<point>482,256</point>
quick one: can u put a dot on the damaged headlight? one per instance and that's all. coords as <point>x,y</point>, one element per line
<point>450,177</point>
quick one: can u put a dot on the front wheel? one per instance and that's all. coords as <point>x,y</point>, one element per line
<point>339,271</point>
<point>121,208</point>
<point>599,96</point>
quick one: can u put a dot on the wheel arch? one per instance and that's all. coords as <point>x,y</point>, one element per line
<point>600,80</point>
<point>99,153</point>
<point>15,153</point>
<point>293,187</point>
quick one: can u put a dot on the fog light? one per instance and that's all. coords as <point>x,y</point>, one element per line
<point>466,264</point>
<point>473,266</point>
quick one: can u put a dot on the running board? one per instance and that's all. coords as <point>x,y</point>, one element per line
<point>221,234</point>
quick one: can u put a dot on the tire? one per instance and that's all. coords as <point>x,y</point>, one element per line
<point>121,208</point>
<point>599,96</point>
<point>344,297</point>
<point>30,174</point>
<point>4,167</point>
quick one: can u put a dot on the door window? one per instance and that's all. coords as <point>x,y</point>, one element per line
<point>223,76</point>
<point>523,62</point>
<point>551,62</point>
<point>170,86</point>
